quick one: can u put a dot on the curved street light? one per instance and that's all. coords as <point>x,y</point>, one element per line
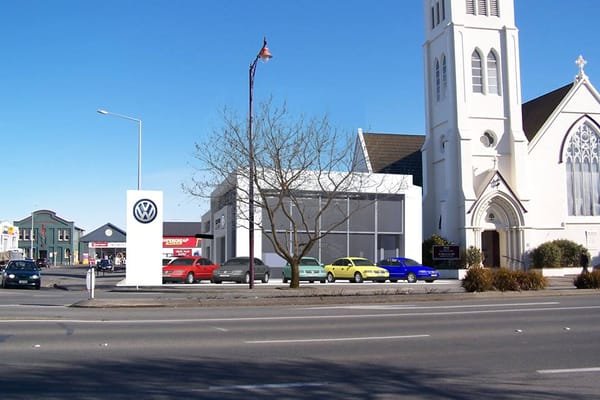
<point>139,121</point>
<point>265,56</point>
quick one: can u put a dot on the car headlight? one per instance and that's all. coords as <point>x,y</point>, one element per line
<point>11,276</point>
<point>35,276</point>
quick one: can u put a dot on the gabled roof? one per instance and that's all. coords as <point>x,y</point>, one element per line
<point>100,234</point>
<point>535,112</point>
<point>395,154</point>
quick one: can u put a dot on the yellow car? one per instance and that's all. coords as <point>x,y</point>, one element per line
<point>355,269</point>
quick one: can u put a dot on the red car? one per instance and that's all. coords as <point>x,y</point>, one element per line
<point>188,269</point>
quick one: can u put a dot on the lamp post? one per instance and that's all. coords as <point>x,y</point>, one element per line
<point>139,122</point>
<point>263,55</point>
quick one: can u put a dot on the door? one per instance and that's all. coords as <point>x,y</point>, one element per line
<point>490,248</point>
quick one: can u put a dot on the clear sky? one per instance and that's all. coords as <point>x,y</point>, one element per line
<point>175,64</point>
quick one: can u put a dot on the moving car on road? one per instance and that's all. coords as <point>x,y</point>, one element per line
<point>237,269</point>
<point>188,269</point>
<point>21,273</point>
<point>355,269</point>
<point>310,270</point>
<point>401,268</point>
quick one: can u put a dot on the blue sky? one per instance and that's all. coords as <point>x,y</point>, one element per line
<point>175,64</point>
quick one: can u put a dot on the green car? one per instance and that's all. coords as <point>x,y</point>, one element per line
<point>310,270</point>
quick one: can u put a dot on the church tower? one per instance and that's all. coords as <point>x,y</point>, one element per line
<point>474,156</point>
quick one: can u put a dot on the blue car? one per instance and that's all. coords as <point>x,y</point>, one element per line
<point>401,268</point>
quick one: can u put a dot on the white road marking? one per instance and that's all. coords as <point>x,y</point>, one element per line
<point>568,371</point>
<point>343,339</point>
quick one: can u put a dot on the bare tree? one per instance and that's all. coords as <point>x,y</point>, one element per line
<point>302,168</point>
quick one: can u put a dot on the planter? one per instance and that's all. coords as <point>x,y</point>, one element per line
<point>452,273</point>
<point>550,272</point>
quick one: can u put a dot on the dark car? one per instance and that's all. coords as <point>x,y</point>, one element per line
<point>237,269</point>
<point>401,268</point>
<point>21,273</point>
<point>42,263</point>
<point>105,265</point>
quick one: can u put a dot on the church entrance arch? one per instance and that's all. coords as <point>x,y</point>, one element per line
<point>499,222</point>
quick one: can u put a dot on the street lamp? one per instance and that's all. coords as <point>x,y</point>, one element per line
<point>264,55</point>
<point>139,121</point>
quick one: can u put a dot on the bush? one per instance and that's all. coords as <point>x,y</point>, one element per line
<point>471,257</point>
<point>477,279</point>
<point>570,252</point>
<point>480,279</point>
<point>504,280</point>
<point>588,280</point>
<point>546,255</point>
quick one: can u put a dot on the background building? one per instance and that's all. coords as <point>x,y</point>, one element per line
<point>43,234</point>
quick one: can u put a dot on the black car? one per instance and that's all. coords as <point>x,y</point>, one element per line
<point>237,269</point>
<point>21,273</point>
<point>42,263</point>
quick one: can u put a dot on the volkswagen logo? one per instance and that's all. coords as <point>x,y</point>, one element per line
<point>145,211</point>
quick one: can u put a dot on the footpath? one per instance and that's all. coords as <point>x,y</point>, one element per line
<point>109,292</point>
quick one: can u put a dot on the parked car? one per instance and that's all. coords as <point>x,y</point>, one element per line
<point>237,269</point>
<point>42,263</point>
<point>104,265</point>
<point>167,260</point>
<point>355,269</point>
<point>21,273</point>
<point>310,270</point>
<point>401,268</point>
<point>188,269</point>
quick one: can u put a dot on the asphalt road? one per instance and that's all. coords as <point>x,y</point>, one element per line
<point>539,347</point>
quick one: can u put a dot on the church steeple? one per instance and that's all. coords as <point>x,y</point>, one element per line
<point>473,110</point>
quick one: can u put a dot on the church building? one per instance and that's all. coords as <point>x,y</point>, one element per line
<point>498,174</point>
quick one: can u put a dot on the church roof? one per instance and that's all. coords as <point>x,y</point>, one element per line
<point>395,154</point>
<point>536,112</point>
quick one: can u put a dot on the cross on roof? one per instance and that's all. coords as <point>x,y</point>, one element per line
<point>580,63</point>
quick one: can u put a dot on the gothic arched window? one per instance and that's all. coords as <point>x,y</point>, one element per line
<point>492,73</point>
<point>444,77</point>
<point>476,72</point>
<point>582,157</point>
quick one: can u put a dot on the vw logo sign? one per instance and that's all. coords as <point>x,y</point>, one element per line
<point>145,211</point>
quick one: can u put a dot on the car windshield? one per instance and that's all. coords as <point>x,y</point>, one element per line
<point>22,265</point>
<point>237,261</point>
<point>411,263</point>
<point>310,262</point>
<point>182,261</point>
<point>362,262</point>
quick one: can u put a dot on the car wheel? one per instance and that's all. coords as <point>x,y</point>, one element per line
<point>37,287</point>
<point>358,278</point>
<point>311,281</point>
<point>323,281</point>
<point>189,278</point>
<point>217,282</point>
<point>330,277</point>
<point>411,277</point>
<point>393,280</point>
<point>265,278</point>
<point>247,277</point>
<point>285,280</point>
<point>429,280</point>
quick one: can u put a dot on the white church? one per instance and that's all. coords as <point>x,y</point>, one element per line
<point>498,174</point>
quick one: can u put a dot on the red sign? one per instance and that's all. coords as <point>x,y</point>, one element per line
<point>182,252</point>
<point>181,241</point>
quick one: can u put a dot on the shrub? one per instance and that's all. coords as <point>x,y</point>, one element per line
<point>480,279</point>
<point>546,255</point>
<point>530,280</point>
<point>504,280</point>
<point>477,279</point>
<point>471,257</point>
<point>570,252</point>
<point>588,280</point>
